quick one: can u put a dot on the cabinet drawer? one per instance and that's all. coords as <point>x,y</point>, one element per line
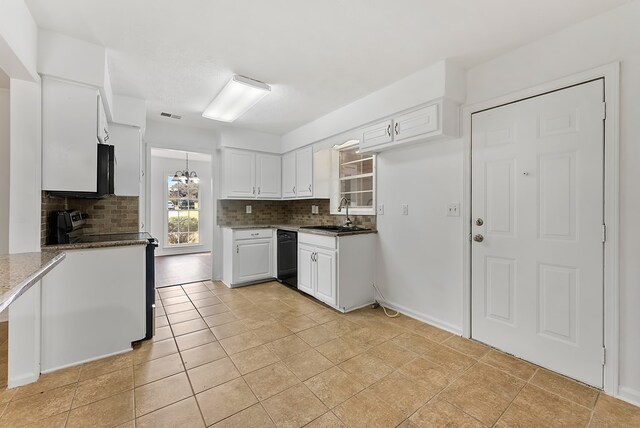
<point>253,234</point>
<point>317,240</point>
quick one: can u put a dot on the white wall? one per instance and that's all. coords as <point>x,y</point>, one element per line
<point>438,80</point>
<point>614,36</point>
<point>4,170</point>
<point>25,159</point>
<point>77,61</point>
<point>160,168</point>
<point>18,41</point>
<point>419,264</point>
<point>250,140</point>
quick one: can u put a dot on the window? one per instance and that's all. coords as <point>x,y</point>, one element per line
<point>183,205</point>
<point>356,176</point>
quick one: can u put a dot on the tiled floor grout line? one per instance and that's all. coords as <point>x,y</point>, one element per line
<point>360,321</point>
<point>186,372</point>
<point>514,397</point>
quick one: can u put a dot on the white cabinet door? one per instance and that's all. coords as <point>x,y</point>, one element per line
<point>239,174</point>
<point>306,269</point>
<point>377,134</point>
<point>252,260</point>
<point>304,172</point>
<point>419,122</point>
<point>268,176</point>
<point>127,141</point>
<point>103,126</point>
<point>69,141</point>
<point>289,175</point>
<point>326,290</point>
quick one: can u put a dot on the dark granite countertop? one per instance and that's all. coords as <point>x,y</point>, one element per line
<point>301,228</point>
<point>103,241</point>
<point>18,272</point>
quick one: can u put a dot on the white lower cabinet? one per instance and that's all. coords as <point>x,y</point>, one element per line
<point>337,270</point>
<point>248,255</point>
<point>93,305</point>
<point>317,272</point>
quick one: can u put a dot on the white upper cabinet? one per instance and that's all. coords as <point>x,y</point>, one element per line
<point>304,172</point>
<point>69,138</point>
<point>419,122</point>
<point>377,134</point>
<point>268,176</point>
<point>239,174</point>
<point>439,119</point>
<point>250,175</point>
<point>127,141</point>
<point>289,175</point>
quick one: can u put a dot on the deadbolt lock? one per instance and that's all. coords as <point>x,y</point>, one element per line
<point>479,222</point>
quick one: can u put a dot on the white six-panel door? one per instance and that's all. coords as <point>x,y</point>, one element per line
<point>537,227</point>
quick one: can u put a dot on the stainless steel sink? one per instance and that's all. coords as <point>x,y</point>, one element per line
<point>336,229</point>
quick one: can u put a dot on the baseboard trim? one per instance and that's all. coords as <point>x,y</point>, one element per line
<point>422,317</point>
<point>88,360</point>
<point>629,395</point>
<point>22,380</point>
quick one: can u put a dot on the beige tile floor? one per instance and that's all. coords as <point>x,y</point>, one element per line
<point>265,356</point>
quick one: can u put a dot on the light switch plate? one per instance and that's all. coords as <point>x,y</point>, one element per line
<point>404,209</point>
<point>381,209</point>
<point>248,209</point>
<point>453,210</point>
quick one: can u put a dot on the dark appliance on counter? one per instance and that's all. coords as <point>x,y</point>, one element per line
<point>288,257</point>
<point>64,226</point>
<point>106,176</point>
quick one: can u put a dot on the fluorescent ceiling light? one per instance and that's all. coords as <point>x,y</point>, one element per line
<point>238,96</point>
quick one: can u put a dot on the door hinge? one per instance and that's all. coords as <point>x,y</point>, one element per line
<point>604,356</point>
<point>604,111</point>
<point>604,233</point>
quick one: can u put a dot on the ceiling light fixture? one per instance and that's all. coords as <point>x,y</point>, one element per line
<point>238,96</point>
<point>186,176</point>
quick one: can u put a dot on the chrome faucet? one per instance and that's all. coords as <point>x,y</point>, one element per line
<point>347,222</point>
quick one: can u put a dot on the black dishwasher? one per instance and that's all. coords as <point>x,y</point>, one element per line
<point>288,257</point>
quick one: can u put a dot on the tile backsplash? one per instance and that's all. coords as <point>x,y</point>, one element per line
<point>112,214</point>
<point>233,213</point>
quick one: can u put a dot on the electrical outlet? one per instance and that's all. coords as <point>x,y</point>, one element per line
<point>314,209</point>
<point>453,210</point>
<point>381,209</point>
<point>404,209</point>
<point>248,209</point>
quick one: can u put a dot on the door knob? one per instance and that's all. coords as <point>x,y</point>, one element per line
<point>479,222</point>
<point>478,238</point>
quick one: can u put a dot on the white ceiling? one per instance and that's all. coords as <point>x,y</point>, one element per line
<point>317,55</point>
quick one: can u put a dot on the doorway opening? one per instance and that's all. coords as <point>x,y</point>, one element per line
<point>181,215</point>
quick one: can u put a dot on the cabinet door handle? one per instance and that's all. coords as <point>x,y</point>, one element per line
<point>312,257</point>
<point>258,190</point>
<point>309,187</point>
<point>396,128</point>
<point>254,190</point>
<point>389,130</point>
<point>237,249</point>
<point>294,190</point>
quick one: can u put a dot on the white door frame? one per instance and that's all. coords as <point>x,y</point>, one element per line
<point>611,75</point>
